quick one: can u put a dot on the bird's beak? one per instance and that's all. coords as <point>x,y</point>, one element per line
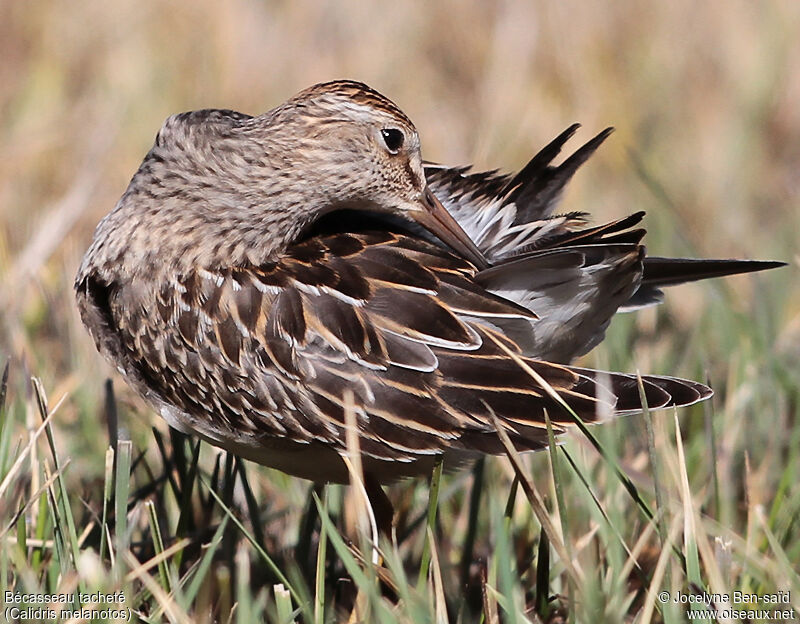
<point>435,218</point>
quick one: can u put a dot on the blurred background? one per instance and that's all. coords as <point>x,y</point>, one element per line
<point>705,98</point>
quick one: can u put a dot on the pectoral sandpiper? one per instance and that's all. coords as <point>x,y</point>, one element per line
<point>259,269</point>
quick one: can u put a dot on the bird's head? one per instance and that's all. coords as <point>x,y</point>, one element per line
<point>220,187</point>
<point>356,149</point>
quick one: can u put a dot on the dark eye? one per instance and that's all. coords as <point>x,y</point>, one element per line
<point>393,138</point>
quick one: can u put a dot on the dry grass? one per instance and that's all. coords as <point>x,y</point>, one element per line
<point>705,99</point>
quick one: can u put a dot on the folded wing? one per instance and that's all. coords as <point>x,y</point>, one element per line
<point>405,328</point>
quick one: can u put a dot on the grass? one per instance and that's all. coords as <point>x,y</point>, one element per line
<point>98,495</point>
<point>188,533</point>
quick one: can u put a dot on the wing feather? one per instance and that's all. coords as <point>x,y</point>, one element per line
<point>251,353</point>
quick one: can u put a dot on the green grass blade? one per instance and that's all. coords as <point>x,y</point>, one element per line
<point>274,568</point>
<point>433,502</point>
<point>319,581</point>
<point>201,569</point>
<point>468,548</point>
<point>158,545</point>
<point>283,604</point>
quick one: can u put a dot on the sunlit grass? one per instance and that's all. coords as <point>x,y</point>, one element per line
<point>179,538</point>
<point>704,98</point>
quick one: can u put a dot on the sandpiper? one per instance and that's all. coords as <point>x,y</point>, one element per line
<point>259,269</point>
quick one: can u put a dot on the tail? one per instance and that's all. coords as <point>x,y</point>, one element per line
<point>661,272</point>
<point>670,271</point>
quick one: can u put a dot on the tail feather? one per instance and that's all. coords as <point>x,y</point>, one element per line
<point>536,188</point>
<point>662,272</point>
<point>619,231</point>
<point>671,271</point>
<point>541,161</point>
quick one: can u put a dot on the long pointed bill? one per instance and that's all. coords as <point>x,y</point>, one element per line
<point>437,220</point>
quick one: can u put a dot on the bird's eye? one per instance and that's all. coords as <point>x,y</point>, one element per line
<point>393,138</point>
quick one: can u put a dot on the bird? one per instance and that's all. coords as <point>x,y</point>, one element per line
<point>265,282</point>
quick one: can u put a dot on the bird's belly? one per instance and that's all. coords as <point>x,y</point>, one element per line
<point>314,461</point>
